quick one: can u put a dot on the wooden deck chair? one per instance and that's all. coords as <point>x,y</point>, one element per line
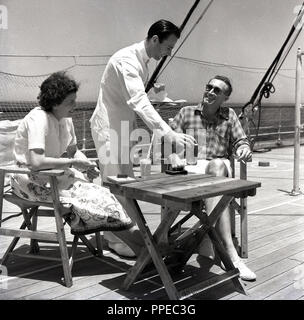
<point>239,206</point>
<point>28,229</point>
<point>235,206</point>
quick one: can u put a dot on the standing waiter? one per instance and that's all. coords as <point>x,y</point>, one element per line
<point>122,95</point>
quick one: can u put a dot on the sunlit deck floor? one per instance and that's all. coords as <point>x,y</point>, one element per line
<point>276,251</point>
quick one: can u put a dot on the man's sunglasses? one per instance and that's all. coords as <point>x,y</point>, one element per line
<point>216,90</point>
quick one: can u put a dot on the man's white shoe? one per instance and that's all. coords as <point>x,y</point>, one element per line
<point>118,246</point>
<point>245,273</point>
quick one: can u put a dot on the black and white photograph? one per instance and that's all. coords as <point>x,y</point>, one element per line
<point>151,153</point>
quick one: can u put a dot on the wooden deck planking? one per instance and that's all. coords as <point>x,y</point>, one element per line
<point>85,272</point>
<point>270,286</point>
<point>267,275</point>
<point>280,259</point>
<point>107,291</point>
<point>272,238</point>
<point>287,293</point>
<point>274,228</point>
<point>282,243</point>
<point>152,289</point>
<point>48,280</point>
<point>276,255</point>
<point>84,275</point>
<point>225,291</point>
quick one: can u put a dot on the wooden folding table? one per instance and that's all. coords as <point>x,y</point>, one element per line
<point>170,244</point>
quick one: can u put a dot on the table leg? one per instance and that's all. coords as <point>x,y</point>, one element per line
<point>192,237</point>
<point>218,209</point>
<point>161,238</point>
<point>154,253</point>
<point>169,216</point>
<point>142,260</point>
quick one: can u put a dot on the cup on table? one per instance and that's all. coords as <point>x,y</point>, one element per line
<point>145,167</point>
<point>191,155</point>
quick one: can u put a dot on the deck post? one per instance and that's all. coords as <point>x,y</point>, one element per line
<point>296,169</point>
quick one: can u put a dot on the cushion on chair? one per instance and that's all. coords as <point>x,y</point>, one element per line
<point>82,229</point>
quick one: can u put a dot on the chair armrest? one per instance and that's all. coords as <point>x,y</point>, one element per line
<point>232,158</point>
<point>243,167</point>
<point>46,172</point>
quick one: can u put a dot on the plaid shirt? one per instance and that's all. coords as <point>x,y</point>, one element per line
<point>220,139</point>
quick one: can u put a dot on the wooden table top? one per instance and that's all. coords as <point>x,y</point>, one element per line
<point>186,188</point>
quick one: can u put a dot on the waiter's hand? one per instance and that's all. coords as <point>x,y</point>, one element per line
<point>181,139</point>
<point>176,162</point>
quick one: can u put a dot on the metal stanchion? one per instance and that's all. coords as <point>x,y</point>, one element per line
<point>296,170</point>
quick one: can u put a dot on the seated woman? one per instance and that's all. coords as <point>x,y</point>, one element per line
<point>43,137</point>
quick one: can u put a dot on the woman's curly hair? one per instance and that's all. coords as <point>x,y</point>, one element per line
<point>55,89</point>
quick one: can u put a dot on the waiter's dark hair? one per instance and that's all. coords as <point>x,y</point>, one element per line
<point>163,29</point>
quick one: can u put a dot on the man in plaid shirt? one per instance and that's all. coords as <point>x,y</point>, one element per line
<point>219,134</point>
<point>216,128</point>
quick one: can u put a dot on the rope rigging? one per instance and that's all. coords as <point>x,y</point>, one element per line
<point>161,63</point>
<point>187,36</point>
<point>266,87</point>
